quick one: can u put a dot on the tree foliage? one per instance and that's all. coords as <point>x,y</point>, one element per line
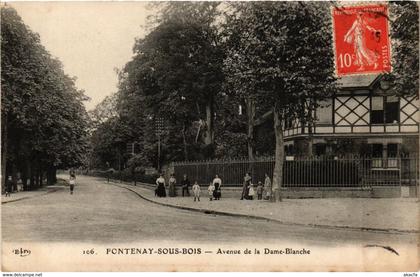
<point>201,61</point>
<point>404,22</point>
<point>43,116</point>
<point>271,58</point>
<point>174,77</point>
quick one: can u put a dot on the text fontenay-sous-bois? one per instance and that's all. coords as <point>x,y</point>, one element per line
<point>200,251</point>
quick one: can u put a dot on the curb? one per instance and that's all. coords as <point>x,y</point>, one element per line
<point>206,211</point>
<point>28,197</point>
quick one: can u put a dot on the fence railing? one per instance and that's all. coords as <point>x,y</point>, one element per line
<point>308,172</point>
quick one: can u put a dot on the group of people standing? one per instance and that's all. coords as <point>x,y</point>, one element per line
<point>249,191</point>
<point>214,189</point>
<point>161,186</point>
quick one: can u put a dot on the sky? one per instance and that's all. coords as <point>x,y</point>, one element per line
<point>91,39</point>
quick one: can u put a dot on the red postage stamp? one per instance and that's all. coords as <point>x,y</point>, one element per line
<point>361,39</point>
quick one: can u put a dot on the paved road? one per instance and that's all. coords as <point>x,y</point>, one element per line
<point>100,212</point>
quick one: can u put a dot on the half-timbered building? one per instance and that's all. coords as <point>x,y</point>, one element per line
<point>364,117</point>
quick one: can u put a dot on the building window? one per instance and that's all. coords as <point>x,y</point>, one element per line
<point>324,112</point>
<point>377,150</point>
<point>320,149</point>
<point>385,110</point>
<point>289,150</point>
<point>392,109</point>
<point>385,155</point>
<point>288,123</point>
<point>377,153</point>
<point>392,150</point>
<point>392,160</point>
<point>377,110</point>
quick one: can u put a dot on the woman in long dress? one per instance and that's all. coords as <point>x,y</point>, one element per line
<point>267,187</point>
<point>245,186</point>
<point>172,188</point>
<point>217,182</point>
<point>160,187</point>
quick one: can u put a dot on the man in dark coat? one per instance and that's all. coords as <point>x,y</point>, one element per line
<point>185,185</point>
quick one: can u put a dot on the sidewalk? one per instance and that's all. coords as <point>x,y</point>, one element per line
<point>386,214</point>
<point>21,195</point>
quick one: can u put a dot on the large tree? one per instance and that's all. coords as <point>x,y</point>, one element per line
<point>175,77</point>
<point>281,53</point>
<point>43,116</point>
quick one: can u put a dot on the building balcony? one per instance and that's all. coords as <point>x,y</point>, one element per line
<point>367,129</point>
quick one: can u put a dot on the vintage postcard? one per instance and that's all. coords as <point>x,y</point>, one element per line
<point>209,136</point>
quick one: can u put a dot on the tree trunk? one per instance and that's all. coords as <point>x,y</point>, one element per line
<point>278,166</point>
<point>310,142</point>
<point>41,178</point>
<point>36,179</point>
<point>209,134</point>
<point>119,163</point>
<point>54,175</point>
<point>184,141</point>
<point>50,175</point>
<point>37,168</point>
<point>14,174</point>
<point>310,148</point>
<point>251,123</point>
<point>3,151</point>
<point>31,176</point>
<point>134,174</point>
<point>49,180</point>
<point>309,123</point>
<point>24,175</point>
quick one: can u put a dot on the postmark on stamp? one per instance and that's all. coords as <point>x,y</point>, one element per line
<point>361,39</point>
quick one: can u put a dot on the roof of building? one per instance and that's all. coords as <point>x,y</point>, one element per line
<point>357,81</point>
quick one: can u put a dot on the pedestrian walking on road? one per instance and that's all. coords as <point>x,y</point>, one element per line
<point>245,186</point>
<point>196,190</point>
<point>211,191</point>
<point>259,190</point>
<point>185,186</point>
<point>172,186</point>
<point>267,187</point>
<point>72,181</point>
<point>217,182</point>
<point>160,187</point>
<point>9,186</point>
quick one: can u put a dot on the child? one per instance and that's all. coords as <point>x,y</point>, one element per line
<point>196,190</point>
<point>211,190</point>
<point>260,190</point>
<point>72,182</point>
<point>251,192</point>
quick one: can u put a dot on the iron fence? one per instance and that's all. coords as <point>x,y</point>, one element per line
<point>308,172</point>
